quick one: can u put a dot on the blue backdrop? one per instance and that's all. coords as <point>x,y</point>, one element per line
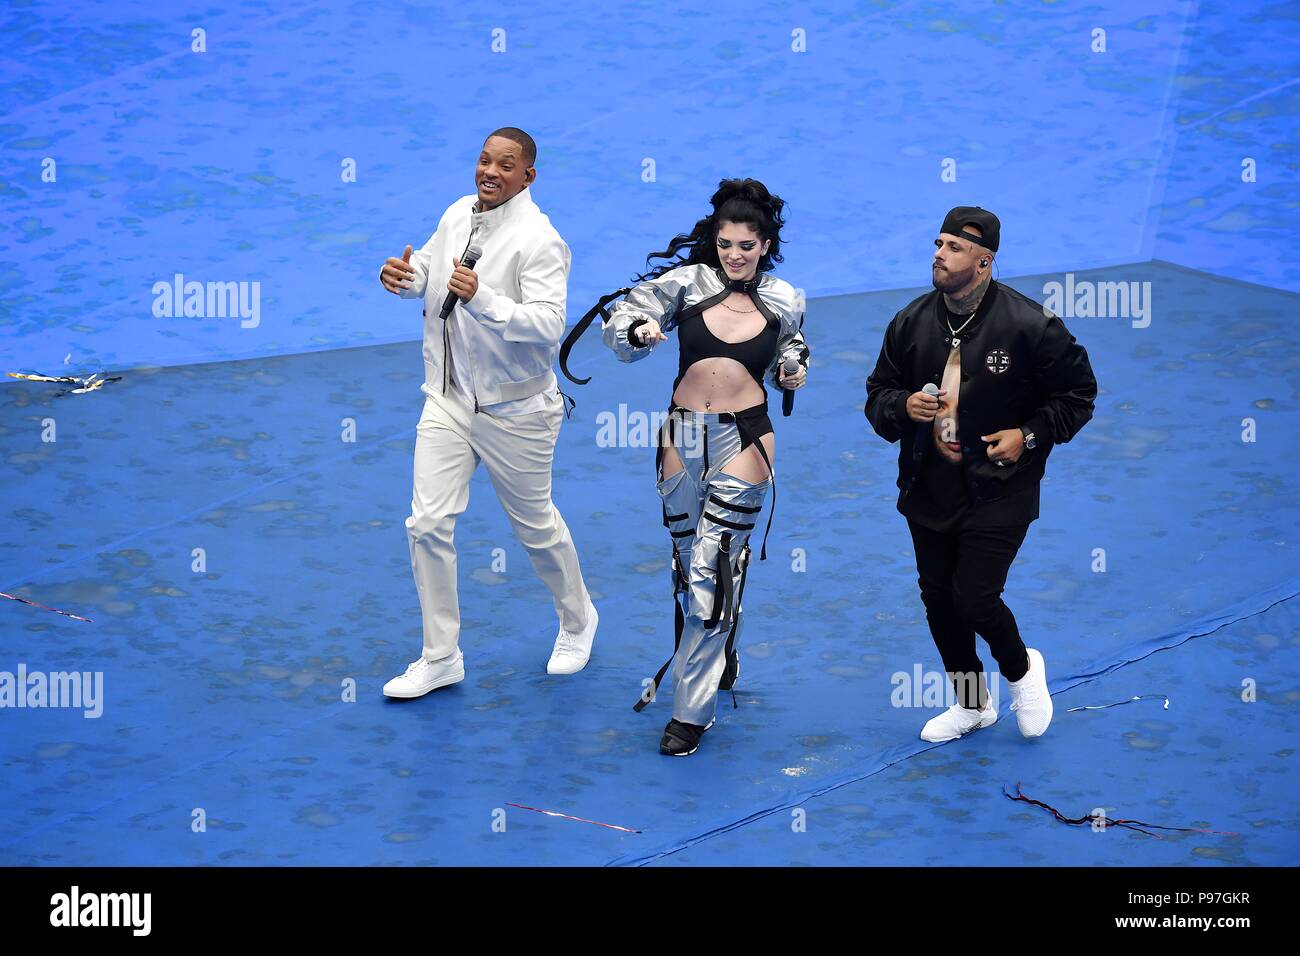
<point>227,165</point>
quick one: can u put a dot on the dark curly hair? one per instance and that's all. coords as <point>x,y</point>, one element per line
<point>737,200</point>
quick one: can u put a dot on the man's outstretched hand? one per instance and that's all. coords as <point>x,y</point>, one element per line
<point>397,274</point>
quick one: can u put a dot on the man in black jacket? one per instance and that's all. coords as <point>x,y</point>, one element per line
<point>1012,384</point>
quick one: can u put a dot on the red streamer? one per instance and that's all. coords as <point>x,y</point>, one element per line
<point>565,816</point>
<point>75,617</point>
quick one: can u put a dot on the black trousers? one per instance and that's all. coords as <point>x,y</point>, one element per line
<point>962,574</point>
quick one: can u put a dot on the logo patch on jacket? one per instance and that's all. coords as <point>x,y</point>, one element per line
<point>997,361</point>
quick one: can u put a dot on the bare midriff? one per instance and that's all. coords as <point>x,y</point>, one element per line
<point>724,385</point>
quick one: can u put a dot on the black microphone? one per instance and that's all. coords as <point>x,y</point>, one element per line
<point>470,259</point>
<point>791,367</point>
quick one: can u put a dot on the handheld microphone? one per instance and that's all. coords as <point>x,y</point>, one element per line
<point>923,429</point>
<point>470,259</point>
<point>791,367</point>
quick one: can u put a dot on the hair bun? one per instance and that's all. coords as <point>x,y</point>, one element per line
<point>751,190</point>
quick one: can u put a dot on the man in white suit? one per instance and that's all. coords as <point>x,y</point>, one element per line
<point>491,394</point>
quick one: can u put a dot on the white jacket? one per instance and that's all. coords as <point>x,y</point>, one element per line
<point>513,324</point>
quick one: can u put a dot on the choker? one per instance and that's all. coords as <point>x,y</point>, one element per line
<point>742,285</point>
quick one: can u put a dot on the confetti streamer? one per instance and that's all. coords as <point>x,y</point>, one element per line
<point>88,384</point>
<point>565,816</point>
<point>1089,820</point>
<point>76,617</point>
<point>1121,702</point>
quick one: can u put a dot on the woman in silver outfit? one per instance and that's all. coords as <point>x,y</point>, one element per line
<point>737,325</point>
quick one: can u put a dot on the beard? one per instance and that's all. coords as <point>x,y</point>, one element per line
<point>949,282</point>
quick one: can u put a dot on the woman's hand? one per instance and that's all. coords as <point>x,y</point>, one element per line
<point>794,381</point>
<point>649,333</point>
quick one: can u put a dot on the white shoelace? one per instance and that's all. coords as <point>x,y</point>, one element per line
<point>1028,695</point>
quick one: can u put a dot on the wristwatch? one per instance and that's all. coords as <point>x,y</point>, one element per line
<point>1030,441</point>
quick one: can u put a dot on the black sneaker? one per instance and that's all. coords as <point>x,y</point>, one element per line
<point>730,673</point>
<point>682,740</point>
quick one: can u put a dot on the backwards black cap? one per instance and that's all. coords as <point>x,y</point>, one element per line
<point>962,216</point>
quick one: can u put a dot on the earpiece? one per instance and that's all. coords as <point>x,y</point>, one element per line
<point>984,263</point>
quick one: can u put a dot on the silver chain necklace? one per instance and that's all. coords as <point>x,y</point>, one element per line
<point>956,342</point>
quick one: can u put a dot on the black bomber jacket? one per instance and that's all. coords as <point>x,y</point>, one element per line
<point>1020,366</point>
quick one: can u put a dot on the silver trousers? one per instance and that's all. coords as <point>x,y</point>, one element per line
<point>709,515</point>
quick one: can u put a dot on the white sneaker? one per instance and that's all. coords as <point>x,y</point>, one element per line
<point>957,721</point>
<point>572,651</point>
<point>423,676</point>
<point>1030,700</point>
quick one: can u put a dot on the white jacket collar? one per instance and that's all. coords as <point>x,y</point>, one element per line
<point>521,204</point>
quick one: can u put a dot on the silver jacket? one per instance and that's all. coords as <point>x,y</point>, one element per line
<point>664,298</point>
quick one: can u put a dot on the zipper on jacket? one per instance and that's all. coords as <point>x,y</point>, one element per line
<point>445,337</point>
<point>425,313</point>
<point>446,344</point>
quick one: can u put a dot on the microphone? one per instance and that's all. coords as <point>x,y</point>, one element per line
<point>469,260</point>
<point>923,429</point>
<point>790,367</point>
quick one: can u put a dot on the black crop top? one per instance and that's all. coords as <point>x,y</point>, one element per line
<point>697,342</point>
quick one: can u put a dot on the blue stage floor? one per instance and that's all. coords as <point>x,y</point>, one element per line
<point>222,688</point>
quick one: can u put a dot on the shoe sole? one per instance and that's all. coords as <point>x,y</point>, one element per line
<point>565,673</point>
<point>447,681</point>
<point>944,740</point>
<point>697,744</point>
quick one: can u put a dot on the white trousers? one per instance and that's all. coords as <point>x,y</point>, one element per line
<point>450,440</point>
